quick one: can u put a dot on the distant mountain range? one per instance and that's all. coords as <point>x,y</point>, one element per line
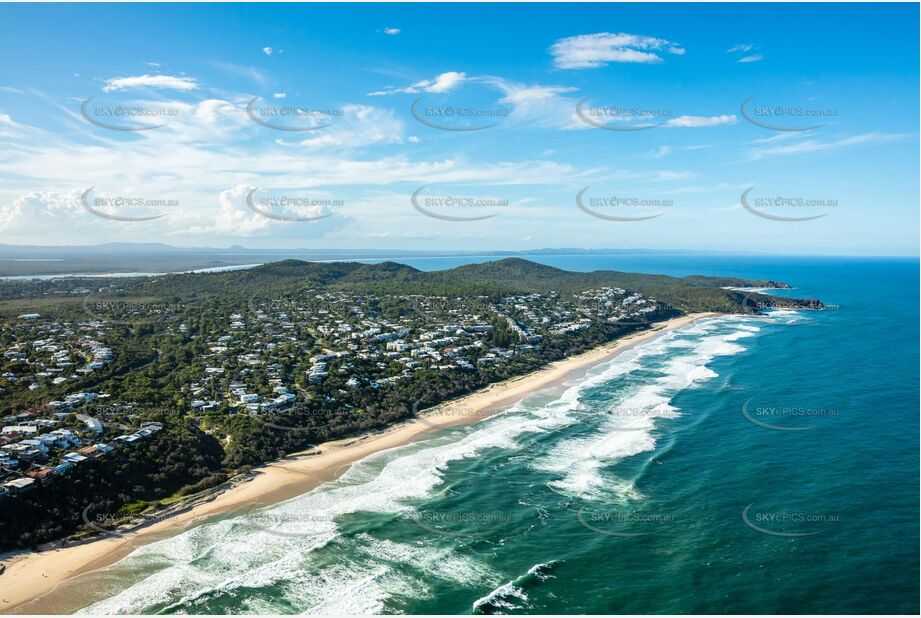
<point>161,258</point>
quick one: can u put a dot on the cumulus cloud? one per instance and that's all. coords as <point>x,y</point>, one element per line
<point>170,82</point>
<point>587,51</point>
<point>392,31</point>
<point>37,207</point>
<point>234,217</point>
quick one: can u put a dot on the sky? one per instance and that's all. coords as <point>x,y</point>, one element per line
<point>765,128</point>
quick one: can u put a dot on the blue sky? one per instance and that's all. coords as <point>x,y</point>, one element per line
<point>293,126</point>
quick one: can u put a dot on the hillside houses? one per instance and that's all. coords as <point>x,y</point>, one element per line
<point>333,347</point>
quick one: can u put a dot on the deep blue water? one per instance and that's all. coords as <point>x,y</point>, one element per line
<point>739,465</point>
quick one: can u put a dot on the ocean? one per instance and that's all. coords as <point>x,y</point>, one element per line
<point>735,465</point>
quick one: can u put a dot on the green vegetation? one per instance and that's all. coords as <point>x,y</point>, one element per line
<point>301,325</point>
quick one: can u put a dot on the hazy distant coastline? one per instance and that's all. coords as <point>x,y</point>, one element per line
<point>134,259</point>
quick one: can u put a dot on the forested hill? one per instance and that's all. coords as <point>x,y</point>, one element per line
<point>505,276</point>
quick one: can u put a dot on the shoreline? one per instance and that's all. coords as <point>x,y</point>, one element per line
<point>32,576</point>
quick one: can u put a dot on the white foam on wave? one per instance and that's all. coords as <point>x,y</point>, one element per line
<point>442,563</point>
<point>628,428</point>
<point>275,546</point>
<point>264,548</point>
<point>512,595</point>
<point>361,597</point>
<point>503,598</point>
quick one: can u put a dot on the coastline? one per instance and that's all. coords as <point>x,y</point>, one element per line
<point>31,576</point>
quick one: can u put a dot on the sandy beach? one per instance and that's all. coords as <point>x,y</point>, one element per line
<point>32,575</point>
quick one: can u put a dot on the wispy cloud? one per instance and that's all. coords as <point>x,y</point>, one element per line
<point>170,82</point>
<point>239,70</point>
<point>701,121</point>
<point>587,51</point>
<point>392,31</point>
<point>814,145</point>
<point>744,48</point>
<point>444,82</point>
<point>741,47</point>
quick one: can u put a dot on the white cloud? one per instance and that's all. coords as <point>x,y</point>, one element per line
<point>10,128</point>
<point>279,95</point>
<point>741,47</point>
<point>813,145</point>
<point>151,81</point>
<point>539,105</point>
<point>267,51</point>
<point>522,95</point>
<point>234,217</point>
<point>359,126</point>
<point>392,31</point>
<point>701,121</point>
<point>586,51</point>
<point>240,70</point>
<point>212,111</point>
<point>745,48</point>
<point>442,83</point>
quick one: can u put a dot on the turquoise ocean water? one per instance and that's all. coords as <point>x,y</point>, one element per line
<point>737,465</point>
